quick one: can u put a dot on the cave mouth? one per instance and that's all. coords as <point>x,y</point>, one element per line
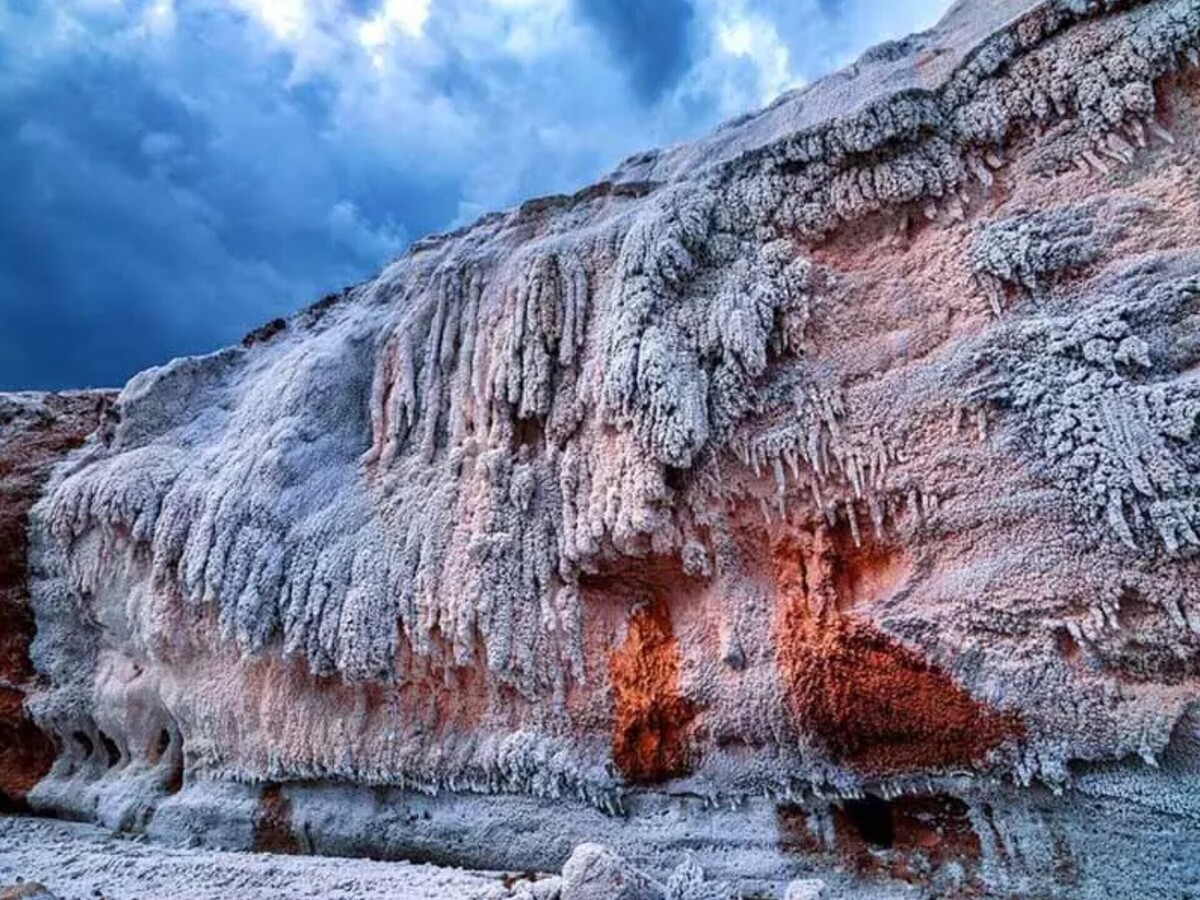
<point>85,743</point>
<point>163,745</point>
<point>112,752</point>
<point>872,819</point>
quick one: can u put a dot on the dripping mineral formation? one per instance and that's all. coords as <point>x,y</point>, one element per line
<point>35,432</point>
<point>819,497</point>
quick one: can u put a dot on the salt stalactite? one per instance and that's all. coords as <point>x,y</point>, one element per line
<point>1110,419</point>
<point>924,148</point>
<point>1029,250</point>
<point>395,539</point>
<point>492,350</point>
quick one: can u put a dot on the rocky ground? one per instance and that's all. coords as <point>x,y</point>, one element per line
<point>81,861</point>
<point>42,859</point>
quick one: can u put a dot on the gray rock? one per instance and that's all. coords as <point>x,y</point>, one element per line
<point>596,873</point>
<point>806,889</point>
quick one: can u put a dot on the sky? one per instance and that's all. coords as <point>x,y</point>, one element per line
<point>176,172</point>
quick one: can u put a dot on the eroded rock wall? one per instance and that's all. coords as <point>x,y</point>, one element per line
<point>845,456</point>
<point>36,432</point>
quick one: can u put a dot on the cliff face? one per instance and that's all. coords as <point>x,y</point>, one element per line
<point>35,433</point>
<point>841,467</point>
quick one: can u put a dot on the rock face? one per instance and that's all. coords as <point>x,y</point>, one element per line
<point>821,494</point>
<point>35,433</point>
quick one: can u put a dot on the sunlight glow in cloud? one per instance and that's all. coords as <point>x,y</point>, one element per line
<point>178,171</point>
<point>405,16</point>
<point>287,19</point>
<point>158,19</point>
<point>755,38</point>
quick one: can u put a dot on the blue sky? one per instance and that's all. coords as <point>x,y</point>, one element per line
<point>179,171</point>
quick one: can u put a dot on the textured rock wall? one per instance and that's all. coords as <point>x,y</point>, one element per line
<point>840,467</point>
<point>35,433</point>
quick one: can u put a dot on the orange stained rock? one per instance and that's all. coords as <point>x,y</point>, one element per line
<point>877,706</point>
<point>26,457</point>
<point>651,718</point>
<point>907,838</point>
<point>273,823</point>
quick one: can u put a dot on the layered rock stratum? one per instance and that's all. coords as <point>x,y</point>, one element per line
<point>821,496</point>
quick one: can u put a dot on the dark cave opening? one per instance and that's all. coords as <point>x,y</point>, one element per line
<point>872,818</point>
<point>111,751</point>
<point>85,743</point>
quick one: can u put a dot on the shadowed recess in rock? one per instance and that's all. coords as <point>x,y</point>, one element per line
<point>877,705</point>
<point>651,718</point>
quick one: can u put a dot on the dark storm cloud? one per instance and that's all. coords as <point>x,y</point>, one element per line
<point>142,222</point>
<point>653,41</point>
<point>176,172</point>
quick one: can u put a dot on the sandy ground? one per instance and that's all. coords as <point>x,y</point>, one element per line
<point>84,862</point>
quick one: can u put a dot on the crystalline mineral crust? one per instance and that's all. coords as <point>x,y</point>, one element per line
<point>826,488</point>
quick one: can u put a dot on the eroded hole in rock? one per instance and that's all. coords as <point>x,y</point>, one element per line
<point>163,744</point>
<point>909,838</point>
<point>871,818</point>
<point>174,781</point>
<point>876,704</point>
<point>674,478</point>
<point>162,753</point>
<point>85,743</point>
<point>528,432</point>
<point>920,839</point>
<point>273,823</point>
<point>112,753</point>
<point>653,576</point>
<point>1182,752</point>
<point>1068,647</point>
<point>650,717</point>
<point>1136,613</point>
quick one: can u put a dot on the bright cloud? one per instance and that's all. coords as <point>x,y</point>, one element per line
<point>287,19</point>
<point>406,17</point>
<point>754,37</point>
<point>177,171</point>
